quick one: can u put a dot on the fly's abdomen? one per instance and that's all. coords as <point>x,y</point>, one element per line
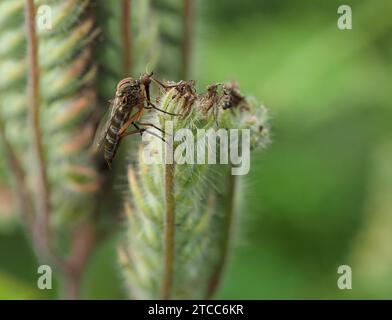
<point>111,145</point>
<point>112,139</point>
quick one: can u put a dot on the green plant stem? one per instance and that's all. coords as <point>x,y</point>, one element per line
<point>226,237</point>
<point>169,233</point>
<point>40,229</point>
<point>127,36</point>
<point>43,202</point>
<point>187,39</point>
<point>72,287</point>
<point>83,242</point>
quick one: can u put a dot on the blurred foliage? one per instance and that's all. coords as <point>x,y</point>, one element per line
<point>307,197</point>
<point>328,93</point>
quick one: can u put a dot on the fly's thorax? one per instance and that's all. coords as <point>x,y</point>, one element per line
<point>126,84</point>
<point>129,92</point>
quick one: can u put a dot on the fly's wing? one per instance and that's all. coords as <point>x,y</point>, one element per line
<point>103,128</point>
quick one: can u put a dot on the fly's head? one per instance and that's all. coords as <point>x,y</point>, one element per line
<point>146,79</point>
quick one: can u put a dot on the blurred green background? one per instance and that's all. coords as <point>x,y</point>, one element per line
<point>320,195</point>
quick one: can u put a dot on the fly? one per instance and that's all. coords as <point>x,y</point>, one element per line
<point>126,109</point>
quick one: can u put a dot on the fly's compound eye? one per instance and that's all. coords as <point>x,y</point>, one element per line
<point>146,79</point>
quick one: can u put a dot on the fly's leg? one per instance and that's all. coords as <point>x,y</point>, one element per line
<point>149,103</point>
<point>125,127</point>
<point>166,86</point>
<point>150,125</point>
<point>128,133</point>
<point>130,120</point>
<point>141,130</point>
<point>146,81</point>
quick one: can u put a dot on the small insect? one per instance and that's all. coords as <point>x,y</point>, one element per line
<point>232,97</point>
<point>185,90</point>
<point>211,100</point>
<point>126,109</point>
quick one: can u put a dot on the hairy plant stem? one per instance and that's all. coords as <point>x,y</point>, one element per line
<point>72,287</point>
<point>226,237</point>
<point>193,203</point>
<point>187,39</point>
<point>126,36</point>
<point>42,194</point>
<point>169,246</point>
<point>83,240</point>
